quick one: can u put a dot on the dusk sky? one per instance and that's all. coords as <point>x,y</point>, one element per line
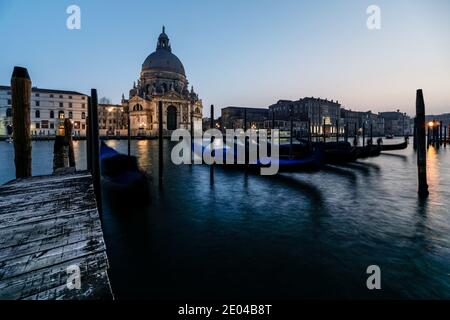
<point>244,53</point>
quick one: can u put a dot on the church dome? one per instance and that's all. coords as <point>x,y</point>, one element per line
<point>163,59</point>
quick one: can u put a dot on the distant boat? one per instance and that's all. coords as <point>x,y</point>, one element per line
<point>300,159</point>
<point>390,147</point>
<point>9,140</point>
<point>389,136</point>
<point>121,171</point>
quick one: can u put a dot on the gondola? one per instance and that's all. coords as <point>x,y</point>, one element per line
<point>121,171</point>
<point>337,152</point>
<point>299,159</point>
<point>390,147</point>
<point>369,151</point>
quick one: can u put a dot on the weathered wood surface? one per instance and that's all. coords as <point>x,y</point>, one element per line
<point>46,225</point>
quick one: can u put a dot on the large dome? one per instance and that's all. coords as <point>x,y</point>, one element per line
<point>163,59</point>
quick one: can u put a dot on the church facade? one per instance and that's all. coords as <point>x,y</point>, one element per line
<point>162,79</point>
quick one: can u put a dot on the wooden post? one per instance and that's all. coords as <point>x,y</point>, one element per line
<point>309,132</point>
<point>160,138</point>
<point>440,133</point>
<point>212,141</point>
<point>337,132</point>
<point>95,152</point>
<point>323,132</point>
<point>21,105</point>
<point>291,134</point>
<point>68,141</point>
<point>129,130</point>
<point>364,134</point>
<point>246,138</point>
<point>355,142</point>
<point>415,134</point>
<point>445,136</point>
<point>88,139</point>
<point>192,136</point>
<point>421,149</point>
<point>371,133</point>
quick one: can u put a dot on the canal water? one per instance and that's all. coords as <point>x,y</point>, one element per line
<point>296,235</point>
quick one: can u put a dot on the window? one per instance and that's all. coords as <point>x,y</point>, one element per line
<point>38,125</point>
<point>61,105</point>
<point>61,97</point>
<point>37,114</point>
<point>61,115</point>
<point>38,103</point>
<point>44,124</point>
<point>52,114</point>
<point>52,125</point>
<point>37,94</point>
<point>83,98</point>
<point>83,115</point>
<point>70,97</point>
<point>9,112</point>
<point>9,102</point>
<point>76,125</point>
<point>70,115</point>
<point>83,127</point>
<point>70,104</point>
<point>83,105</point>
<point>51,96</point>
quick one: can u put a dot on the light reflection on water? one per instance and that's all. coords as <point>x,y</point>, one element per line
<point>295,235</point>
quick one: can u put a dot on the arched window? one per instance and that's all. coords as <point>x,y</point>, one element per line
<point>171,118</point>
<point>37,114</point>
<point>70,115</point>
<point>83,115</point>
<point>61,115</point>
<point>138,107</point>
<point>52,114</point>
<point>197,110</point>
<point>9,112</point>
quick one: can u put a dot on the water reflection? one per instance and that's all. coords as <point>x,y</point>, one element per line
<point>292,236</point>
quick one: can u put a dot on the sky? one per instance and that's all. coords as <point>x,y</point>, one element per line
<point>240,52</point>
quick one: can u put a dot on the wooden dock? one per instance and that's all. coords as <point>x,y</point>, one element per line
<point>48,224</point>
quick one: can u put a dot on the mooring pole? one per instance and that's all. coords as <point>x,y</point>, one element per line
<point>88,139</point>
<point>445,136</point>
<point>95,152</point>
<point>421,148</point>
<point>160,138</point>
<point>192,136</point>
<point>129,131</point>
<point>323,131</point>
<point>355,142</point>
<point>371,133</point>
<point>440,133</point>
<point>212,142</point>
<point>291,120</point>
<point>415,134</point>
<point>364,134</point>
<point>68,140</point>
<point>309,131</point>
<point>21,105</point>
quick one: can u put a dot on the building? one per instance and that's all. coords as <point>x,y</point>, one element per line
<point>112,120</point>
<point>49,108</point>
<point>162,79</point>
<point>445,118</point>
<point>321,113</point>
<point>363,119</point>
<point>397,123</point>
<point>233,117</point>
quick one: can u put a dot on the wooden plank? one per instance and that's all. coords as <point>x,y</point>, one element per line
<point>24,264</point>
<point>94,287</point>
<point>92,232</point>
<point>47,224</point>
<point>46,228</point>
<point>31,284</point>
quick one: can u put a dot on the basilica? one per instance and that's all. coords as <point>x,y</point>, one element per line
<point>162,79</point>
